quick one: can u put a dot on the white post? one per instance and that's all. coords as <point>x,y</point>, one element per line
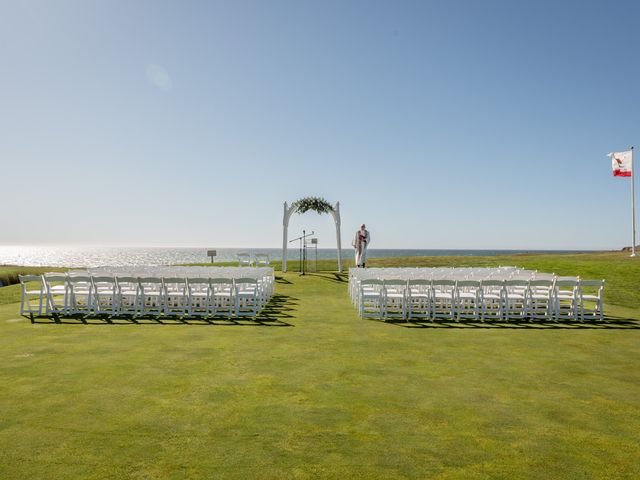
<point>633,209</point>
<point>336,218</point>
<point>285,228</point>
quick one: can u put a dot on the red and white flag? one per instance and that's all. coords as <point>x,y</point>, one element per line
<point>622,163</point>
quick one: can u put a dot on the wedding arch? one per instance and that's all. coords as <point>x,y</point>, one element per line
<point>303,205</point>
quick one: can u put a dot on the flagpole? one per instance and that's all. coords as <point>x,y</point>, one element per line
<point>633,208</point>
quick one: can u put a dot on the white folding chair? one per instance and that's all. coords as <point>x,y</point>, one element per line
<point>222,291</point>
<point>370,298</point>
<point>565,298</point>
<point>244,259</point>
<point>79,294</point>
<point>590,293</point>
<point>492,299</point>
<point>516,299</point>
<point>394,299</point>
<point>262,260</point>
<point>200,294</point>
<point>150,296</point>
<point>467,299</point>
<point>418,298</point>
<point>354,282</point>
<point>443,302</point>
<point>104,295</point>
<point>174,296</point>
<point>540,299</point>
<point>247,300</point>
<point>56,289</point>
<point>35,290</point>
<point>127,295</point>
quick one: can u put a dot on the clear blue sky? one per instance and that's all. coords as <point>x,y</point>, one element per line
<point>441,124</point>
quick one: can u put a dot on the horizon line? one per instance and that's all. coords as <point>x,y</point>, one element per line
<point>91,245</point>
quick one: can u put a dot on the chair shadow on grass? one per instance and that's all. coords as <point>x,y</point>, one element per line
<point>274,314</point>
<point>329,276</point>
<point>609,323</point>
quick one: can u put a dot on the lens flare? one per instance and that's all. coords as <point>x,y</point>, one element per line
<point>159,77</point>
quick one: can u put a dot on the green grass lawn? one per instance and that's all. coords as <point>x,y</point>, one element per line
<point>312,391</point>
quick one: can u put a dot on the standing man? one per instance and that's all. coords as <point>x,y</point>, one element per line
<point>360,243</point>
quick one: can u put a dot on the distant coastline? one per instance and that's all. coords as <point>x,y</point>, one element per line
<point>74,256</point>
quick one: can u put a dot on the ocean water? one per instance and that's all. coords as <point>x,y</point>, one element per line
<point>75,256</point>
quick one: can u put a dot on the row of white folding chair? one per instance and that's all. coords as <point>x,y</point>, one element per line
<point>74,294</point>
<point>192,296</point>
<point>553,298</point>
<point>430,273</point>
<point>548,296</point>
<point>546,299</point>
<point>422,271</point>
<point>354,285</point>
<point>420,298</point>
<point>537,298</point>
<point>454,273</point>
<point>263,275</point>
<point>246,260</point>
<point>183,271</point>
